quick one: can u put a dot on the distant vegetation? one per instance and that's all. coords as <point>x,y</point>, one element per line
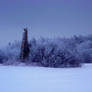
<point>60,52</point>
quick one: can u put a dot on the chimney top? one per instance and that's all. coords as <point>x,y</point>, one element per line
<point>25,29</point>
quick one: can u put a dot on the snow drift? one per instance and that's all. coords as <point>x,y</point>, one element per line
<point>40,79</point>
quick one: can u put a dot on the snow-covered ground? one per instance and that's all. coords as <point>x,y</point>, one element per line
<point>40,79</point>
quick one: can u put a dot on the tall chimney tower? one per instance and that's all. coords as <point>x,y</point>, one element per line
<point>24,46</point>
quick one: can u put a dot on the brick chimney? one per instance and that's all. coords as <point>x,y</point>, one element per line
<point>24,46</point>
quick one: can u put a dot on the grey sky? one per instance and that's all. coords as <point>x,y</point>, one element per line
<point>44,18</point>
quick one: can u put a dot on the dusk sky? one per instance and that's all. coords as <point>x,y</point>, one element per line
<point>44,18</point>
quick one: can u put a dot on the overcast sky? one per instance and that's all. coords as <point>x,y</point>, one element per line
<point>44,18</point>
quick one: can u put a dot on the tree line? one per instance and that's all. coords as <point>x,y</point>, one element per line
<point>59,52</point>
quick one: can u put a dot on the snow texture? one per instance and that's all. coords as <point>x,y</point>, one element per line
<point>40,79</point>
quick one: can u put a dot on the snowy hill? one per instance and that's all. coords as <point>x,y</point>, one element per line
<point>40,79</point>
